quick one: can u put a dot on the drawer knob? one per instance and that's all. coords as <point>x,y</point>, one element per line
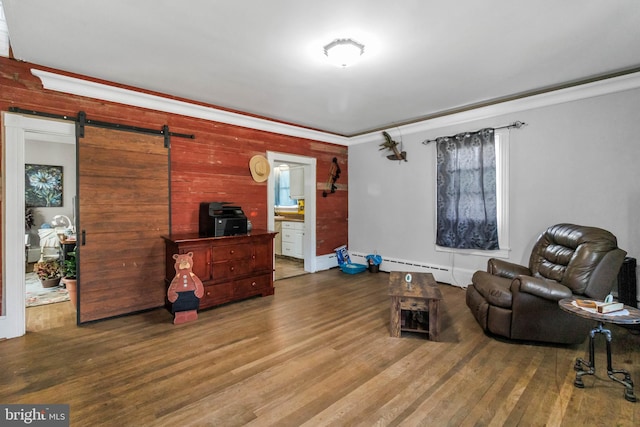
<point>253,284</point>
<point>232,268</point>
<point>232,252</point>
<point>208,293</point>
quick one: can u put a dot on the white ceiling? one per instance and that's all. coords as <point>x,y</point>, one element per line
<point>422,58</point>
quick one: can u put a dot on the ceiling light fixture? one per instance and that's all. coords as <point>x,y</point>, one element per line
<point>344,52</point>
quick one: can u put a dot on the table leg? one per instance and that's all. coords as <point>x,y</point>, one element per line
<point>434,325</point>
<point>581,363</point>
<point>626,382</point>
<point>395,317</point>
<point>591,368</point>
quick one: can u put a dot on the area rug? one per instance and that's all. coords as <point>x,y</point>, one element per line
<point>37,295</point>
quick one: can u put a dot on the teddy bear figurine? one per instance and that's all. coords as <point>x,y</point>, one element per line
<point>185,290</point>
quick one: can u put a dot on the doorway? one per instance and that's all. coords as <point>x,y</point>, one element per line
<point>308,165</point>
<point>50,195</point>
<point>18,130</point>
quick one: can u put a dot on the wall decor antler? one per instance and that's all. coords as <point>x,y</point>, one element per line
<point>334,174</point>
<point>392,145</point>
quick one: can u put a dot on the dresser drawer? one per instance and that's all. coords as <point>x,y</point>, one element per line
<point>232,252</point>
<point>229,269</point>
<point>252,286</point>
<point>216,294</point>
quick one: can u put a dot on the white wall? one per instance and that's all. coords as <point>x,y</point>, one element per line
<point>574,162</point>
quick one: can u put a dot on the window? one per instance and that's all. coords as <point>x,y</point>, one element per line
<point>283,187</point>
<point>499,206</point>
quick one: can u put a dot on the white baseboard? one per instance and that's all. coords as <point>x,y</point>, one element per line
<point>326,262</point>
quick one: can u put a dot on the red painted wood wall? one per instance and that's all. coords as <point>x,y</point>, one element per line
<point>211,167</point>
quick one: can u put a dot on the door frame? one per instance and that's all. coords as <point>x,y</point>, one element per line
<point>17,130</point>
<point>309,166</point>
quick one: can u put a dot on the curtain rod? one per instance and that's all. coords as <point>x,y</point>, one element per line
<point>517,124</point>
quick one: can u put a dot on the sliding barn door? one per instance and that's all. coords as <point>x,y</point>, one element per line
<point>123,210</point>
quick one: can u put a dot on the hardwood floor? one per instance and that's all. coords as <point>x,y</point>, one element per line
<point>50,316</point>
<point>318,352</point>
<point>288,267</point>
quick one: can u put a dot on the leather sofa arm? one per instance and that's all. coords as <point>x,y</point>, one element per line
<point>542,288</point>
<point>498,267</point>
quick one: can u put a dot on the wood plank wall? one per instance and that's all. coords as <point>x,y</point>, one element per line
<point>213,166</point>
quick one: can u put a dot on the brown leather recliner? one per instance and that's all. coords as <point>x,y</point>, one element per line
<point>521,303</point>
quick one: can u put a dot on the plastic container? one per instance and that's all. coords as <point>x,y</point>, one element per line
<point>353,268</point>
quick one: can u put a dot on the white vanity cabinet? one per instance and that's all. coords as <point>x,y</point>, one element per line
<point>292,239</point>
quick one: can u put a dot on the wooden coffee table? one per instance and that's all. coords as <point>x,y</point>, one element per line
<point>414,304</point>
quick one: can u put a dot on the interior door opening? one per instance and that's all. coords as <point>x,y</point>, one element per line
<point>50,201</point>
<point>19,129</point>
<point>305,229</point>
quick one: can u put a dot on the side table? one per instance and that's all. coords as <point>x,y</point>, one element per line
<point>583,367</point>
<point>416,301</point>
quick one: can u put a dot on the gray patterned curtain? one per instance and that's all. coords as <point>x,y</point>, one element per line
<point>466,187</point>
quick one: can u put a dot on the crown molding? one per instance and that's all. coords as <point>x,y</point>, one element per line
<point>76,86</point>
<point>588,90</point>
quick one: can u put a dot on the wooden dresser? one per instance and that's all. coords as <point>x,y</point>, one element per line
<point>231,268</point>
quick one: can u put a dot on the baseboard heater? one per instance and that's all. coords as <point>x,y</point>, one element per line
<point>440,273</point>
